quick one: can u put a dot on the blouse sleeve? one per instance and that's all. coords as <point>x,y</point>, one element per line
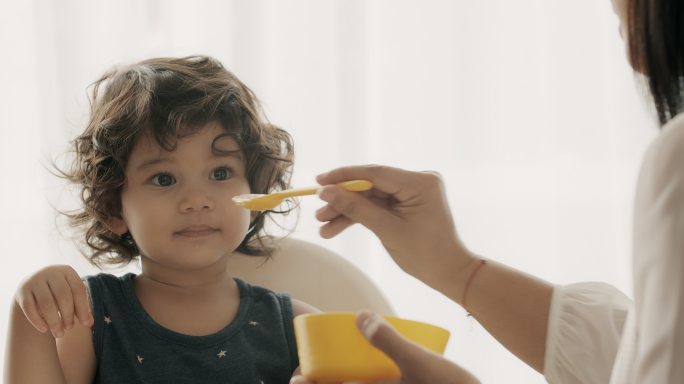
<point>584,331</point>
<point>659,260</point>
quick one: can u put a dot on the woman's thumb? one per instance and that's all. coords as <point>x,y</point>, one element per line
<point>384,337</point>
<point>417,364</point>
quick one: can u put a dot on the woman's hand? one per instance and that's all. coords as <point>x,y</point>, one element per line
<point>408,211</point>
<point>417,364</point>
<point>53,298</point>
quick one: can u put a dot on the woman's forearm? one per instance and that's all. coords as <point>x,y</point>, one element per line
<point>30,356</point>
<point>512,306</point>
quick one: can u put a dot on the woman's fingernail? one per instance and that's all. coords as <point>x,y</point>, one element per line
<point>369,324</point>
<point>322,175</point>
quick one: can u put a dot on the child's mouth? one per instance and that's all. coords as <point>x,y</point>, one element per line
<point>196,231</point>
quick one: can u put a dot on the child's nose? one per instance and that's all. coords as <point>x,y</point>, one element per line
<point>196,200</point>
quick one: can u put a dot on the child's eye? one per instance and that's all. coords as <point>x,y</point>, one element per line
<point>221,173</point>
<point>163,179</point>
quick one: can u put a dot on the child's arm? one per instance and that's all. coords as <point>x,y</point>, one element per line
<point>48,300</point>
<point>300,308</point>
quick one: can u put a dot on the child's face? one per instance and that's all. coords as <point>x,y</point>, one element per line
<point>177,205</point>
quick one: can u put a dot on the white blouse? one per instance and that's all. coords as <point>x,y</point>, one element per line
<point>598,335</point>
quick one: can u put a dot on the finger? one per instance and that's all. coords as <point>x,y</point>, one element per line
<point>300,380</point>
<point>335,227</point>
<point>64,299</point>
<point>326,213</point>
<point>81,301</point>
<point>386,179</point>
<point>384,337</point>
<point>356,207</point>
<point>48,309</point>
<point>28,305</point>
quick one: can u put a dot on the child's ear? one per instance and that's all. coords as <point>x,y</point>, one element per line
<point>117,225</point>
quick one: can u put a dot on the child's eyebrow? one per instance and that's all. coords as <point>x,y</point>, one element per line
<point>237,154</point>
<point>151,162</point>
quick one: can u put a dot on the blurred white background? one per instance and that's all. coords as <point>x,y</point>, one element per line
<point>527,108</point>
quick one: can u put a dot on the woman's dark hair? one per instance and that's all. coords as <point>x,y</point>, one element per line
<point>168,98</point>
<point>656,48</point>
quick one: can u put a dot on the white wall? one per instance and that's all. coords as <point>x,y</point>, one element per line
<point>527,108</point>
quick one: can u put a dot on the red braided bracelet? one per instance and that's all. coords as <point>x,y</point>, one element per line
<point>470,280</point>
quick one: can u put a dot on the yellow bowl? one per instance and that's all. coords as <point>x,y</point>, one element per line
<point>332,349</point>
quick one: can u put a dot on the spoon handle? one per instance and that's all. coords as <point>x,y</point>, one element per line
<point>351,185</point>
<point>298,192</point>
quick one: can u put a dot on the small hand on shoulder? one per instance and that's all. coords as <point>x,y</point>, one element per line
<point>53,299</point>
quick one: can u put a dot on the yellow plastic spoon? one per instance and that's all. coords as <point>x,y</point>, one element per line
<point>261,202</point>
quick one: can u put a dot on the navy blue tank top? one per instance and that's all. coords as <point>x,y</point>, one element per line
<point>258,346</point>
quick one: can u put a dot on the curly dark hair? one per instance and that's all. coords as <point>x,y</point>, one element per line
<point>168,98</point>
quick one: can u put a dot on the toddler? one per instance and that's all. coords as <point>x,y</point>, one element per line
<point>169,142</point>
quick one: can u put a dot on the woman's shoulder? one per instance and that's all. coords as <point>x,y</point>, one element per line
<point>665,155</point>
